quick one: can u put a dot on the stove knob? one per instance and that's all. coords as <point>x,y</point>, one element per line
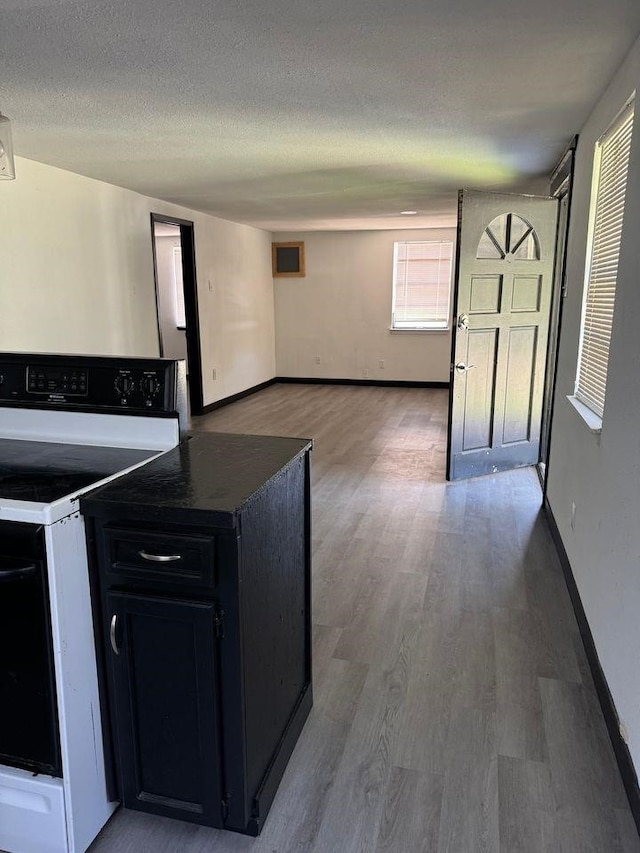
<point>149,386</point>
<point>124,385</point>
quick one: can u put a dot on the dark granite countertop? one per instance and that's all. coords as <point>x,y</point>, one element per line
<point>205,480</point>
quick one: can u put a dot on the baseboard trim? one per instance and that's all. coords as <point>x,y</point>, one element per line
<point>385,383</point>
<point>226,400</point>
<point>620,748</point>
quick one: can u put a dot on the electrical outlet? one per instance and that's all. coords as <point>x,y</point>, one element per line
<point>573,515</point>
<point>381,364</point>
<point>317,359</point>
<point>214,373</point>
<point>365,373</point>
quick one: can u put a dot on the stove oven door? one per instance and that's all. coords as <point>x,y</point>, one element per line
<point>29,736</point>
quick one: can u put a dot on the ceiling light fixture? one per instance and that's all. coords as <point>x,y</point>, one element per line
<point>7,166</point>
<point>408,212</point>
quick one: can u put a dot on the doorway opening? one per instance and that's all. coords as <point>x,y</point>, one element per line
<point>174,271</point>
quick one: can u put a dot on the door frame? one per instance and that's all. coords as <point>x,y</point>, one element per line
<point>561,186</point>
<point>190,288</point>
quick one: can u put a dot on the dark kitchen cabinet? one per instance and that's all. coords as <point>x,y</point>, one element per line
<point>165,705</point>
<point>200,572</point>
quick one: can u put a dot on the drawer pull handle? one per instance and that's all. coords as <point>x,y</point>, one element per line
<point>18,573</point>
<point>112,633</point>
<point>160,558</point>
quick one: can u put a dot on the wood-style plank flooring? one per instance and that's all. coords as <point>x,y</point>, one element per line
<point>454,710</point>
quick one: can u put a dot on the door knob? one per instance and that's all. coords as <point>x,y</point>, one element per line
<point>463,321</point>
<point>461,367</point>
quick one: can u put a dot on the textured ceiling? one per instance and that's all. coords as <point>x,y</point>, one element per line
<point>308,113</point>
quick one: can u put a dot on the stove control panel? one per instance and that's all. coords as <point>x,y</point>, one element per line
<point>95,383</point>
<point>63,380</point>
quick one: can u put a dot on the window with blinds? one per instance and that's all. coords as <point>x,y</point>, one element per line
<point>610,174</point>
<point>421,284</point>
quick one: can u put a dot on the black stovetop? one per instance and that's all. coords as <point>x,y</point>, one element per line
<point>46,471</point>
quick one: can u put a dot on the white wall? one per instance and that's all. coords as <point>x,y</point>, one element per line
<point>76,275</point>
<point>341,312</point>
<point>601,473</point>
<point>236,308</point>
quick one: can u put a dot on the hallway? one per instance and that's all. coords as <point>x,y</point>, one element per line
<point>454,711</point>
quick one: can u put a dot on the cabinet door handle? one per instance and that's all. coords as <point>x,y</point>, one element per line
<point>18,573</point>
<point>160,558</point>
<point>112,633</point>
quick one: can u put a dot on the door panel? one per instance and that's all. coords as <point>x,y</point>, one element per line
<point>481,353</point>
<point>527,292</point>
<point>521,363</point>
<point>486,294</point>
<point>506,247</point>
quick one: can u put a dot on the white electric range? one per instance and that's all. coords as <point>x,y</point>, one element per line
<point>68,423</point>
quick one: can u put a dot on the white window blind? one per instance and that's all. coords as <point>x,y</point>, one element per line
<point>421,284</point>
<point>610,170</point>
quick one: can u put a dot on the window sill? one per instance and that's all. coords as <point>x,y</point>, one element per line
<point>593,421</point>
<point>419,331</point>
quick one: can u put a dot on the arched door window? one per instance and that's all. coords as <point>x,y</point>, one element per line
<point>509,236</point>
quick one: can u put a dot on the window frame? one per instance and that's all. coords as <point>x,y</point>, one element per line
<point>429,325</point>
<point>598,307</point>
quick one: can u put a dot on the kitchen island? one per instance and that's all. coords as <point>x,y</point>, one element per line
<point>200,576</point>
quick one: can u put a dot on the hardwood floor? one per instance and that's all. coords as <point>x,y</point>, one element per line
<point>454,710</point>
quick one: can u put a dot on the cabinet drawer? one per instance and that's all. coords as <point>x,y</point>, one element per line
<point>163,558</point>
